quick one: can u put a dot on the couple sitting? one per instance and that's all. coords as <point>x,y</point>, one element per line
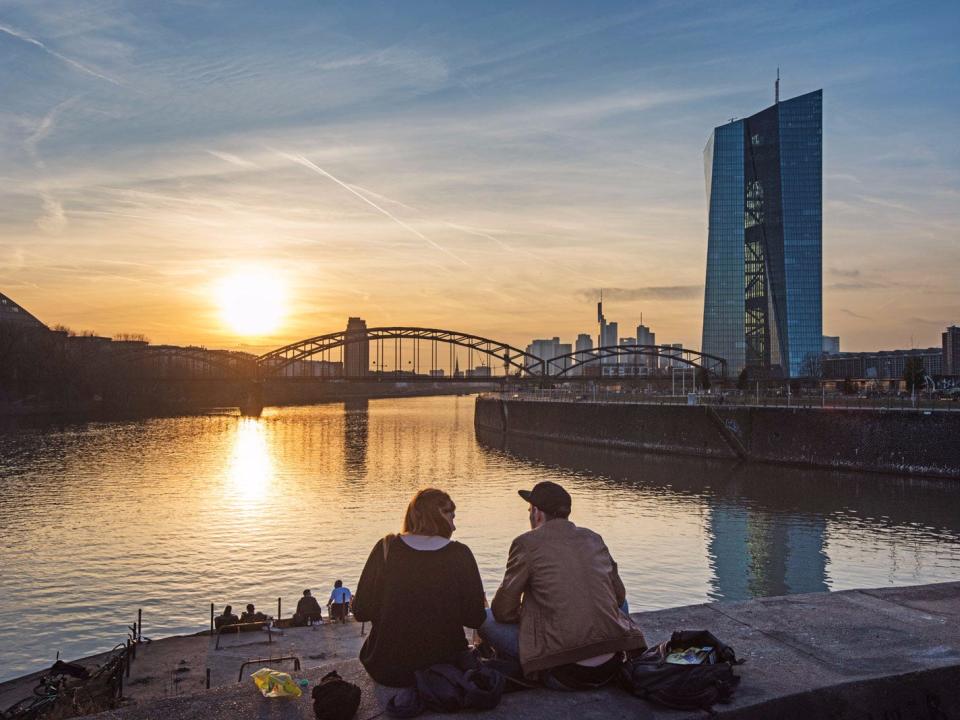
<point>252,615</point>
<point>559,615</point>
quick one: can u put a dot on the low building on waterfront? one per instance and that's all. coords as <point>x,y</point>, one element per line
<point>880,364</point>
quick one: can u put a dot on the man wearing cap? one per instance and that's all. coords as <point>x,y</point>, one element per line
<point>560,611</point>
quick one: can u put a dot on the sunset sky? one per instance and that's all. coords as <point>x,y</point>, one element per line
<point>483,167</point>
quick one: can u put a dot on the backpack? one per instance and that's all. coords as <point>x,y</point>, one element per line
<point>335,698</point>
<point>682,687</point>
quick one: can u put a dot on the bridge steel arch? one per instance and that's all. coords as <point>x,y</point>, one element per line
<point>227,363</point>
<point>275,361</point>
<point>713,364</point>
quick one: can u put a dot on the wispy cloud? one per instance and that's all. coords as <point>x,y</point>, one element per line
<point>656,292</point>
<point>863,285</point>
<point>54,219</point>
<point>12,32</point>
<point>852,314</point>
<point>233,159</point>
<point>44,128</point>
<point>549,151</point>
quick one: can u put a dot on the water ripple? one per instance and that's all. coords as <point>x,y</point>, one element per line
<point>169,515</point>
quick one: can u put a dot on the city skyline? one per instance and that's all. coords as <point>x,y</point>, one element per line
<point>454,167</point>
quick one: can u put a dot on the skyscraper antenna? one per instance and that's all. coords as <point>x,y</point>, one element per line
<point>776,88</point>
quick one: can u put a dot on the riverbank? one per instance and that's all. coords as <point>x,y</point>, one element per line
<point>276,394</point>
<point>896,442</point>
<point>855,654</point>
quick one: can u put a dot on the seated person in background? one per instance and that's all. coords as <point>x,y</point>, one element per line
<point>339,602</point>
<point>307,609</point>
<point>252,616</point>
<point>228,618</point>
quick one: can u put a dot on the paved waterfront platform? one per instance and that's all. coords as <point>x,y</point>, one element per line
<point>857,654</point>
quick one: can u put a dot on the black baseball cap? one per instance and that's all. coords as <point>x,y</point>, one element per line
<point>549,497</point>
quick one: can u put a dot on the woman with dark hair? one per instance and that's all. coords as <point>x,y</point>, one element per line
<point>418,590</point>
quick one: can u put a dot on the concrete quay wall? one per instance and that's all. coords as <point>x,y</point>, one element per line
<point>899,442</point>
<point>851,655</point>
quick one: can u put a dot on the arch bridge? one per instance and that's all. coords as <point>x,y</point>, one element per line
<point>173,362</point>
<point>412,350</point>
<point>563,365</point>
<point>401,353</point>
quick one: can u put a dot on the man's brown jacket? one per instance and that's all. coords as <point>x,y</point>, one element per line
<point>563,588</point>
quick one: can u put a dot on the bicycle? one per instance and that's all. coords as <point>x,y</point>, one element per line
<point>44,696</point>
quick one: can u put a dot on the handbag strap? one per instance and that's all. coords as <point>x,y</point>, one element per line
<point>387,541</point>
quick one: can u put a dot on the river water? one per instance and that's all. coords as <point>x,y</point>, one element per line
<point>169,515</point>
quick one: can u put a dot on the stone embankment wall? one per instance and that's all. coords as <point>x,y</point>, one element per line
<point>901,442</point>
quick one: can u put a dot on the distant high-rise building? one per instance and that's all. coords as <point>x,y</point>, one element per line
<point>356,352</point>
<point>645,337</point>
<point>608,334</point>
<point>951,351</point>
<point>763,296</point>
<point>547,349</point>
<point>831,344</point>
<point>630,359</point>
<point>584,342</point>
<point>608,338</point>
<point>674,353</point>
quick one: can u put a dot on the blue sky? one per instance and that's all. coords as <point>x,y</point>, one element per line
<point>478,166</point>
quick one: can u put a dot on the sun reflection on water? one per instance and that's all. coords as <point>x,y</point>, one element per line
<point>250,472</point>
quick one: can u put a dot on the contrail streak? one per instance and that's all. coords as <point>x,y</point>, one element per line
<point>63,58</point>
<point>480,233</point>
<point>317,169</point>
<point>539,257</point>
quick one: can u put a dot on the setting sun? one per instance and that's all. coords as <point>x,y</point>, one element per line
<point>251,303</point>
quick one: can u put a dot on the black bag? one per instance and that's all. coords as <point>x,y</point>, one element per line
<point>682,687</point>
<point>449,688</point>
<point>334,698</point>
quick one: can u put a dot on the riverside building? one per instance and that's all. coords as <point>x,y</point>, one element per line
<point>763,296</point>
<point>951,351</point>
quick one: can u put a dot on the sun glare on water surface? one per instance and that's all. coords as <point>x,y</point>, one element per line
<point>251,303</point>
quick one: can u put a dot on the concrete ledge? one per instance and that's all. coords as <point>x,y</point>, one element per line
<point>852,655</point>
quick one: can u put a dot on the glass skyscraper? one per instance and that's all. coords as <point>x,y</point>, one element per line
<point>762,304</point>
